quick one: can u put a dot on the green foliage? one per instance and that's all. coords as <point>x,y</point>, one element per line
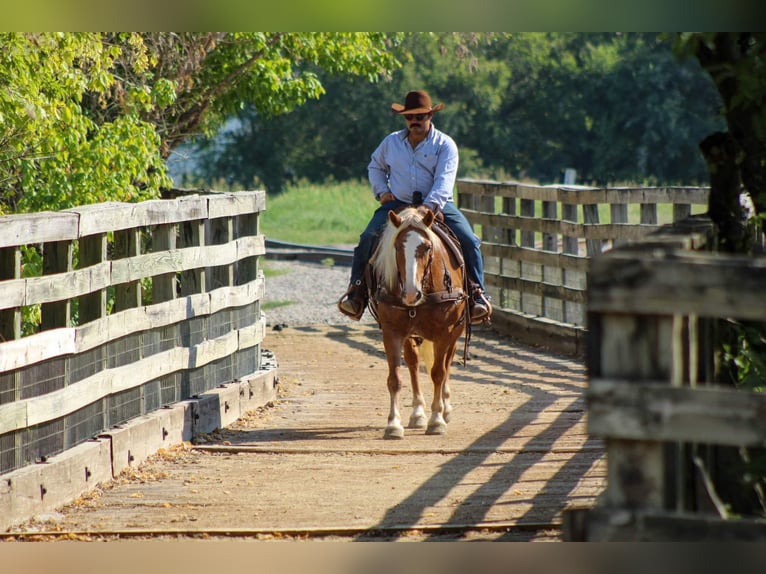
<point>52,153</point>
<point>617,108</point>
<point>745,355</point>
<point>92,117</point>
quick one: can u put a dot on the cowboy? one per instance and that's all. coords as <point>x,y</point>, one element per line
<point>418,163</point>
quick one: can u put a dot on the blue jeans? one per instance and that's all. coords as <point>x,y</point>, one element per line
<point>454,219</point>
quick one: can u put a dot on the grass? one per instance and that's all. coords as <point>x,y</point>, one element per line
<point>329,214</point>
<point>274,304</point>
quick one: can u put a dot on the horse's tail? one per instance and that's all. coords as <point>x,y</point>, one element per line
<point>427,354</point>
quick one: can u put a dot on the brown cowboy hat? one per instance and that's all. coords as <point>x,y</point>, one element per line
<point>416,102</point>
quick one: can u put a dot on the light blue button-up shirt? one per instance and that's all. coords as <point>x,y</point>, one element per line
<point>431,168</point>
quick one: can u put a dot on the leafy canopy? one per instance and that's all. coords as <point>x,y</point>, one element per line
<point>92,117</point>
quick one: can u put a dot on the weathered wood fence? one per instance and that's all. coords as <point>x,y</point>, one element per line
<point>537,241</point>
<point>140,306</point>
<point>655,313</point>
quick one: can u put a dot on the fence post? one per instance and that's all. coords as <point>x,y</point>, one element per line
<point>164,286</point>
<point>10,268</point>
<point>57,258</point>
<point>127,243</point>
<point>93,250</point>
<point>529,271</point>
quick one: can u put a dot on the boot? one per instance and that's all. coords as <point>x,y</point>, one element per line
<point>479,307</point>
<point>354,300</point>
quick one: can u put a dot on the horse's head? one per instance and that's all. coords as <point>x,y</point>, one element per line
<point>405,254</point>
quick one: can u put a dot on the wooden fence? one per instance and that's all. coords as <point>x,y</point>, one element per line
<point>674,432</point>
<point>537,241</point>
<point>140,306</point>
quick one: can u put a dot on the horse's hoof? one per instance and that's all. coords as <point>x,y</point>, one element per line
<point>418,422</point>
<point>437,428</point>
<point>394,433</point>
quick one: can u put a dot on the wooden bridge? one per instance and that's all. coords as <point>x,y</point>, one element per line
<point>133,328</point>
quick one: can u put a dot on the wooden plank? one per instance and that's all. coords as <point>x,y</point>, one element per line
<point>632,348</point>
<point>64,341</point>
<point>618,525</point>
<point>37,347</point>
<point>584,195</point>
<point>66,285</point>
<point>57,259</point>
<point>592,230</point>
<point>116,216</point>
<point>659,412</point>
<point>41,227</point>
<point>529,255</point>
<point>93,251</point>
<point>164,285</point>
<point>247,225</point>
<point>667,282</point>
<point>627,195</point>
<point>191,234</point>
<point>537,288</point>
<point>127,244</point>
<point>232,204</point>
<point>29,412</point>
<point>188,258</point>
<point>10,268</point>
<point>591,218</point>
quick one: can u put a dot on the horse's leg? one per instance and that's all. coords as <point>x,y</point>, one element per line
<point>446,391</point>
<point>441,407</point>
<point>393,347</point>
<point>412,358</point>
<point>437,424</point>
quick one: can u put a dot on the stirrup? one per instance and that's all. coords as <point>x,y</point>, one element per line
<point>484,302</point>
<point>347,304</point>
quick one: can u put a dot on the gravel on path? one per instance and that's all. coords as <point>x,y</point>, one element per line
<point>305,293</point>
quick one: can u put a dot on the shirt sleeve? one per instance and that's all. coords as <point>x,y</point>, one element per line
<point>378,170</point>
<point>444,176</point>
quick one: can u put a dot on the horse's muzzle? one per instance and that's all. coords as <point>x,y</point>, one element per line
<point>412,299</point>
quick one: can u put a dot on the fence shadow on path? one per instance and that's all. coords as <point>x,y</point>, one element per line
<point>539,377</point>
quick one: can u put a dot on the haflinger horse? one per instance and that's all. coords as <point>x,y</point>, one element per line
<point>418,296</point>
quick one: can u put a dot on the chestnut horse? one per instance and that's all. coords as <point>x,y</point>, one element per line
<point>419,298</point>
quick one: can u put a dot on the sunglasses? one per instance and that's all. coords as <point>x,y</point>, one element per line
<point>411,117</point>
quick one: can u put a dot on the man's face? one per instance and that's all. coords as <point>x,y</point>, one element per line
<point>418,123</point>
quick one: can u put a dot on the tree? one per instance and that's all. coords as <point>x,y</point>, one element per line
<point>736,62</point>
<point>616,107</point>
<point>92,117</point>
<point>52,152</point>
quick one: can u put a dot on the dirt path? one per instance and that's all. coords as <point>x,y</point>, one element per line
<point>315,463</point>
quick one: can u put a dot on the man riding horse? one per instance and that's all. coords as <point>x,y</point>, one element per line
<point>418,163</point>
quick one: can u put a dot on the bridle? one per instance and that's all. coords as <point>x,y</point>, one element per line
<point>455,295</point>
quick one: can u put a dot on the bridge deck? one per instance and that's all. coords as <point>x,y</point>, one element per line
<point>315,463</point>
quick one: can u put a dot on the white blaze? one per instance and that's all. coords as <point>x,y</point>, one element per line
<point>410,279</point>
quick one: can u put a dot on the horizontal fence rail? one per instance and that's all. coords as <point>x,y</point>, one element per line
<point>112,311</point>
<point>673,426</point>
<point>537,242</point>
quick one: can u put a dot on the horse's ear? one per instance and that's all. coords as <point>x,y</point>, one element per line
<point>394,218</point>
<point>428,218</point>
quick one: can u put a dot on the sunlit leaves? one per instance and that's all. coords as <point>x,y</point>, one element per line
<point>89,117</point>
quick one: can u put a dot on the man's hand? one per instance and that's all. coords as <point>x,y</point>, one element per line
<point>386,197</point>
